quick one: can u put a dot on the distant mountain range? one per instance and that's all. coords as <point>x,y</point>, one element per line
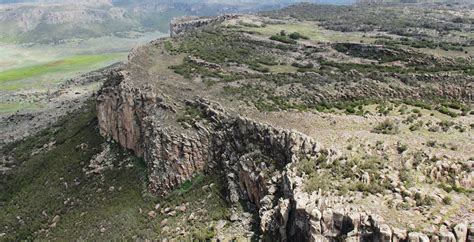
<point>54,21</point>
<point>262,2</point>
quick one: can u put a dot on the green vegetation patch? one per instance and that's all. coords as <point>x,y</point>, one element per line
<point>65,65</point>
<point>423,43</point>
<point>382,54</point>
<point>386,127</point>
<point>319,171</point>
<point>282,37</point>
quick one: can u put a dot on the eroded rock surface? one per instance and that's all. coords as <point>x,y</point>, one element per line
<point>181,128</point>
<point>256,158</point>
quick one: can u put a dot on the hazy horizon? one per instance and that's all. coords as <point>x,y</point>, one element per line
<point>230,2</point>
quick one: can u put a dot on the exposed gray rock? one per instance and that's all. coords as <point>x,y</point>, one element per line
<point>182,25</point>
<point>385,233</point>
<point>460,231</point>
<point>399,235</point>
<point>470,232</point>
<point>256,159</point>
<point>417,237</point>
<point>446,236</point>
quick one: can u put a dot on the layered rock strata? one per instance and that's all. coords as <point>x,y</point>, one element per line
<point>179,26</point>
<point>258,161</point>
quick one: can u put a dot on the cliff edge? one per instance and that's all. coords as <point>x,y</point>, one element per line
<point>220,99</point>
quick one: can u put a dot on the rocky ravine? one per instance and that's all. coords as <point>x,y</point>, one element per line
<point>257,159</point>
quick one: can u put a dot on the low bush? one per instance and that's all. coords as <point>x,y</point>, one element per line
<point>445,125</point>
<point>296,36</point>
<point>386,127</point>
<point>424,200</point>
<point>282,38</point>
<point>445,110</point>
<point>406,177</point>
<point>317,182</point>
<point>447,200</point>
<point>416,126</point>
<point>306,166</point>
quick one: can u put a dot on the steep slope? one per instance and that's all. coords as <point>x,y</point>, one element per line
<point>221,97</point>
<point>68,183</point>
<point>266,127</point>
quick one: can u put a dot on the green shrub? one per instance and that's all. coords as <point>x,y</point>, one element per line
<point>453,105</point>
<point>317,182</point>
<point>190,115</point>
<point>403,109</point>
<point>446,187</point>
<point>250,25</point>
<point>445,125</point>
<point>372,188</point>
<point>419,104</point>
<point>416,126</point>
<point>406,177</point>
<point>410,119</point>
<point>445,110</point>
<point>205,234</point>
<point>460,128</point>
<point>386,127</point>
<point>296,36</point>
<point>350,110</point>
<point>424,201</point>
<point>169,46</point>
<point>306,166</point>
<point>384,109</point>
<point>282,38</point>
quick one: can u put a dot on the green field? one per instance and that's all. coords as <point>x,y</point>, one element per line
<point>64,65</point>
<point>40,75</point>
<point>40,67</point>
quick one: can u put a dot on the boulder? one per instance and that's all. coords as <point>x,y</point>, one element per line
<point>56,219</point>
<point>446,236</point>
<point>152,214</point>
<point>460,231</point>
<point>417,237</point>
<point>470,233</point>
<point>385,233</point>
<point>399,235</point>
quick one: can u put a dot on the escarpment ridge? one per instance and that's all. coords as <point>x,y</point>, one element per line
<point>257,160</point>
<point>198,103</point>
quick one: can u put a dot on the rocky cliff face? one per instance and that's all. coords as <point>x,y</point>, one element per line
<point>258,161</point>
<point>165,119</point>
<point>179,26</point>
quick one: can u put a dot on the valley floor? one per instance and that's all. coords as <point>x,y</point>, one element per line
<point>28,72</point>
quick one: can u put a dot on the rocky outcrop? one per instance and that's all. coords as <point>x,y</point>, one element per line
<point>179,26</point>
<point>257,160</point>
